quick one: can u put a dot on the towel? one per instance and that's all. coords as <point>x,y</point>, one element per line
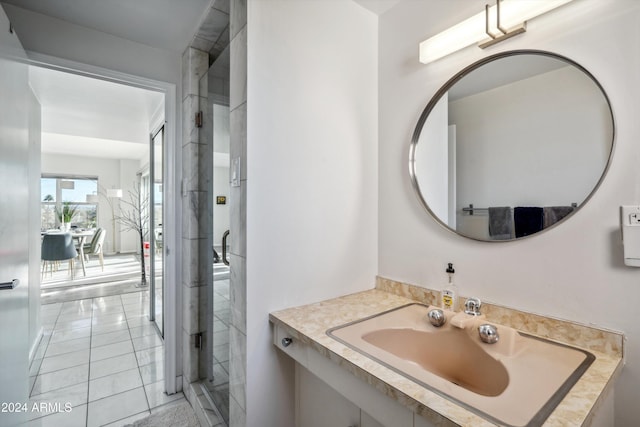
<point>527,220</point>
<point>553,214</point>
<point>500,223</point>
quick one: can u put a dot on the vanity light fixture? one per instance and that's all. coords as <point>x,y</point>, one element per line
<point>504,20</point>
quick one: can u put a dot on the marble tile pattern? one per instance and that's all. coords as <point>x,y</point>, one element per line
<point>308,325</point>
<point>195,234</point>
<point>110,372</point>
<point>238,222</point>
<point>238,90</point>
<point>177,414</point>
<point>213,34</point>
<point>207,414</point>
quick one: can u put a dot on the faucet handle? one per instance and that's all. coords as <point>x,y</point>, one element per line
<point>488,333</point>
<point>472,306</point>
<point>436,317</point>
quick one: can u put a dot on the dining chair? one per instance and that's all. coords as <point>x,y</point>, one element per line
<point>55,248</point>
<point>87,246</point>
<point>96,246</point>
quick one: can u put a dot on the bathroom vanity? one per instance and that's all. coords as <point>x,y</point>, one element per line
<point>337,384</point>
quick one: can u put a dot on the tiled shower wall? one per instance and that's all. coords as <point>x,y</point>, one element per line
<point>196,256</point>
<point>238,197</point>
<point>238,118</point>
<point>196,247</point>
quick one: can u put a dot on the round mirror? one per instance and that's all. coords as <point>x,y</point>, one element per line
<point>512,145</point>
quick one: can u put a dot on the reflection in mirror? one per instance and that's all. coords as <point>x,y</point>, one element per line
<point>512,145</point>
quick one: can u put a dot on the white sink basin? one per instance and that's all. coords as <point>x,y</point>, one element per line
<point>517,381</point>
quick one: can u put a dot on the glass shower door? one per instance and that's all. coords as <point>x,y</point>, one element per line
<point>215,135</point>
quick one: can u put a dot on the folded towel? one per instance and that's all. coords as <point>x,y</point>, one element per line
<point>500,223</point>
<point>553,214</point>
<point>528,220</point>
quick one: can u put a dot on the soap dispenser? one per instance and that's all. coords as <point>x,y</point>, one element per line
<point>449,295</point>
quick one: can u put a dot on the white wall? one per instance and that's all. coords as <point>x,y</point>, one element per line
<point>111,174</point>
<point>128,240</point>
<point>574,271</point>
<point>311,177</point>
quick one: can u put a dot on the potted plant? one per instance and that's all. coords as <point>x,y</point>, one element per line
<point>66,214</point>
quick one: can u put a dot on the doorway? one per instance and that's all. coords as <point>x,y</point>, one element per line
<point>100,349</point>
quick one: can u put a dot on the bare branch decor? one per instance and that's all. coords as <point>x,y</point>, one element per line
<point>134,215</point>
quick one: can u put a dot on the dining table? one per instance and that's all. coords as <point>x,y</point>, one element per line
<point>81,238</point>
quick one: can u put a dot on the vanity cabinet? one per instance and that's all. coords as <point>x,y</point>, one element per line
<point>328,395</point>
<point>350,386</point>
<point>318,405</point>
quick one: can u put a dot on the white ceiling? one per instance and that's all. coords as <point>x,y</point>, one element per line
<point>163,24</point>
<point>90,117</point>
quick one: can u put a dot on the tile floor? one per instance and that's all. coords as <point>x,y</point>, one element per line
<point>103,358</point>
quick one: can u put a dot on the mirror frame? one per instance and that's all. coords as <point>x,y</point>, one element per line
<point>458,76</point>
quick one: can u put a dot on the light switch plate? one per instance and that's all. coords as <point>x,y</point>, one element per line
<point>630,224</point>
<point>630,215</point>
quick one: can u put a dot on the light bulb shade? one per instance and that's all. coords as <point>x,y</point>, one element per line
<point>473,30</point>
<point>114,192</point>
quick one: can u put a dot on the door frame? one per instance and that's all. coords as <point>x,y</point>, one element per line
<point>173,218</point>
<point>152,221</point>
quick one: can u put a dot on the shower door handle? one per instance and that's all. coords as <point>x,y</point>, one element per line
<point>224,247</point>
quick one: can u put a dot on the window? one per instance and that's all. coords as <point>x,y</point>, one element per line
<point>57,192</point>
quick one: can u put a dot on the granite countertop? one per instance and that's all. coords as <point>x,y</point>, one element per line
<point>309,324</point>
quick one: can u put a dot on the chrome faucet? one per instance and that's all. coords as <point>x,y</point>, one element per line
<point>472,306</point>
